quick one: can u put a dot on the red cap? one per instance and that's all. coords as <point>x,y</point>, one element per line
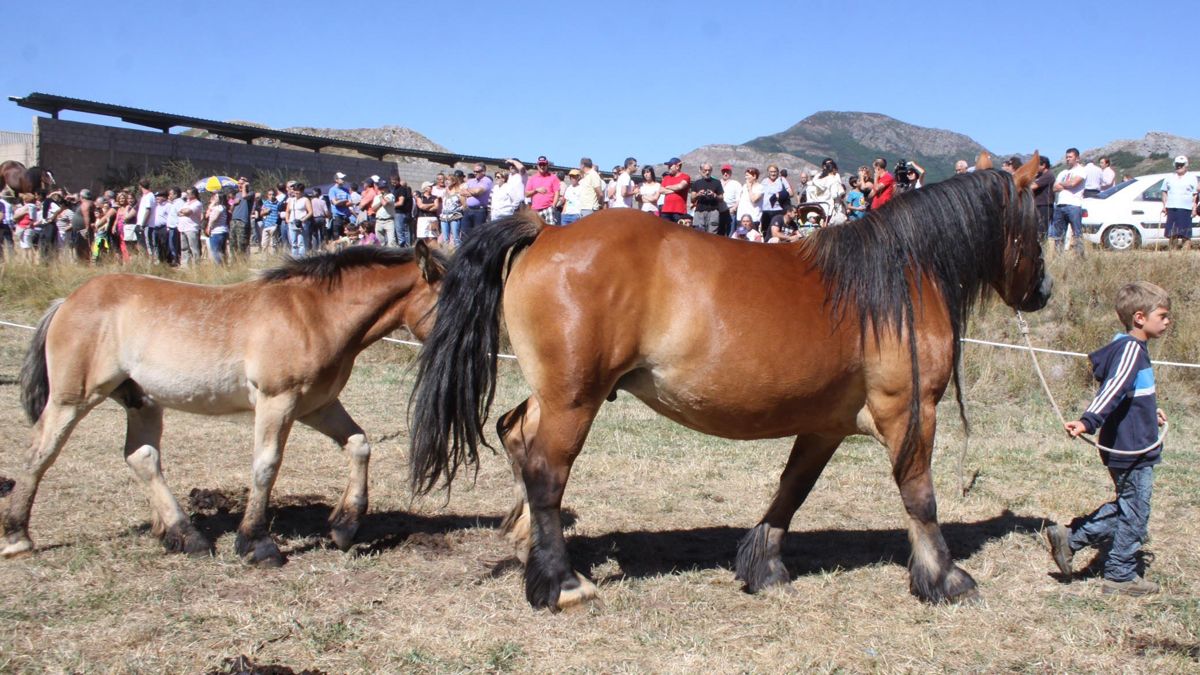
<point>726,167</point>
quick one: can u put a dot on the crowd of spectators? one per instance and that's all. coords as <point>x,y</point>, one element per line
<point>182,226</point>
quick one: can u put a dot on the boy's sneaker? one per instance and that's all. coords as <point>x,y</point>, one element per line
<point>1060,548</point>
<point>1135,587</point>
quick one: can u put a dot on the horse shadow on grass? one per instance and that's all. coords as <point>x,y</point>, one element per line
<point>304,518</point>
<point>655,553</point>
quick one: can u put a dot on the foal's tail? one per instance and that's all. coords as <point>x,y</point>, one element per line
<point>35,379</point>
<point>456,370</point>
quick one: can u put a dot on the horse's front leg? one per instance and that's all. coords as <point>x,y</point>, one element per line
<point>143,454</point>
<point>760,559</point>
<point>333,421</point>
<point>273,418</point>
<point>932,574</point>
<point>550,580</point>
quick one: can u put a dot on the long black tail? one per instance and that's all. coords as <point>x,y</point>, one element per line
<point>35,379</point>
<point>456,370</point>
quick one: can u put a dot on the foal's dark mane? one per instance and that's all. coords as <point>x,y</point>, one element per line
<point>327,268</point>
<point>952,232</point>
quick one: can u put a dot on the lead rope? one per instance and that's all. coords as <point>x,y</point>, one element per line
<point>1024,327</point>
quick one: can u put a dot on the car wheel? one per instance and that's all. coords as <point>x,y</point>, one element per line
<point>1120,238</point>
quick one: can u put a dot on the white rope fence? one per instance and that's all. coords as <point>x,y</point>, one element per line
<point>1002,345</point>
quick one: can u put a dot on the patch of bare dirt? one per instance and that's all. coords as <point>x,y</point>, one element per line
<point>244,665</point>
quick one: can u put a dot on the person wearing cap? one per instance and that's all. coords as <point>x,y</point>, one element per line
<point>571,200</point>
<point>542,189</point>
<point>592,187</point>
<point>1179,199</point>
<point>731,192</point>
<point>675,185</point>
<point>708,196</point>
<point>339,203</point>
<point>1068,208</point>
<point>478,190</point>
<point>428,205</point>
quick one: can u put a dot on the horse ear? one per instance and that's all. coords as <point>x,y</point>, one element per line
<point>1024,176</point>
<point>431,269</point>
<point>984,161</point>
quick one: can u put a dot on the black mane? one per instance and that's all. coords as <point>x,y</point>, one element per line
<point>952,232</point>
<point>328,267</point>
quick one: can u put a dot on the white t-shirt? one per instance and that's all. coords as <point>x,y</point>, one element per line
<point>573,198</point>
<point>1180,191</point>
<point>1108,178</point>
<point>733,192</point>
<point>623,182</point>
<point>747,205</point>
<point>649,200</point>
<point>1071,196</point>
<point>1092,177</point>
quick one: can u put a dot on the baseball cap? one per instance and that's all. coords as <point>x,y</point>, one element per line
<point>339,175</point>
<point>426,184</point>
<point>727,167</point>
<point>673,160</point>
<point>1182,159</point>
<point>542,160</point>
<point>574,172</point>
<point>375,178</point>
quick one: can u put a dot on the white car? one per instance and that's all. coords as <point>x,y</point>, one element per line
<point>1129,214</point>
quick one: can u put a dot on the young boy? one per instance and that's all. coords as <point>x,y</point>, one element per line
<point>1126,414</point>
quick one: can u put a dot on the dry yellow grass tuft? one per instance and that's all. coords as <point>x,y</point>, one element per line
<point>433,588</point>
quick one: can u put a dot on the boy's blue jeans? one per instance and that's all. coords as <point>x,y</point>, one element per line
<point>1121,522</point>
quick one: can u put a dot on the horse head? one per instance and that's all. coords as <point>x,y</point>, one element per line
<point>41,180</point>
<point>1025,284</point>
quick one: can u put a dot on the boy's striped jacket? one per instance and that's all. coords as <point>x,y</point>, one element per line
<point>1125,409</point>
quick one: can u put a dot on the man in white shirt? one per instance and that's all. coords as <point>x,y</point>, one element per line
<point>145,216</point>
<point>1092,175</point>
<point>733,192</point>
<point>1068,208</point>
<point>625,188</point>
<point>1108,176</point>
<point>1179,202</point>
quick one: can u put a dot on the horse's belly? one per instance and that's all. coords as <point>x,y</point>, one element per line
<point>220,391</point>
<point>746,410</point>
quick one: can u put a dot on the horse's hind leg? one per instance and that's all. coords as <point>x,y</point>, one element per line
<point>759,559</point>
<point>272,422</point>
<point>49,436</point>
<point>143,443</point>
<point>333,421</point>
<point>515,428</point>
<point>549,579</point>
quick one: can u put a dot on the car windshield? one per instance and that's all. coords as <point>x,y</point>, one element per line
<point>1105,194</point>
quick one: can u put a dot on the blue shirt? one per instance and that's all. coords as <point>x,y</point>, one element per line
<point>1125,409</point>
<point>271,219</point>
<point>855,199</point>
<point>338,193</point>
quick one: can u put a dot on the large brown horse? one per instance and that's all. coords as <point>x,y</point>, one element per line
<point>32,180</point>
<point>282,346</point>
<point>621,300</point>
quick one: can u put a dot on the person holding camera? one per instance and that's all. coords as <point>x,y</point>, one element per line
<point>775,197</point>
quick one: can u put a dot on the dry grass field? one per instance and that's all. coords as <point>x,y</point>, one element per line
<point>656,514</point>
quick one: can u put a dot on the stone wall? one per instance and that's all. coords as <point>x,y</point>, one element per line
<point>83,155</point>
<point>16,146</point>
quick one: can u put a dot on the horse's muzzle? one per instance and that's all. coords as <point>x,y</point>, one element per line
<point>1038,299</point>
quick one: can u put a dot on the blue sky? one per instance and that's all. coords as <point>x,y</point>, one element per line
<point>649,79</point>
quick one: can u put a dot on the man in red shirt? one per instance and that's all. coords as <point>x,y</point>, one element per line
<point>675,185</point>
<point>885,184</point>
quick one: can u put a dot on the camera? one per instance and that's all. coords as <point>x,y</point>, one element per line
<point>900,173</point>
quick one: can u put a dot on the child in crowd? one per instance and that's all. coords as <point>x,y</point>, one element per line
<point>855,203</point>
<point>746,230</point>
<point>1127,417</point>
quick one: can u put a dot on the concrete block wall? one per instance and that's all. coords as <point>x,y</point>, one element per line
<point>81,154</point>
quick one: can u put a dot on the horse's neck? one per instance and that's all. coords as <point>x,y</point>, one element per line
<point>372,299</point>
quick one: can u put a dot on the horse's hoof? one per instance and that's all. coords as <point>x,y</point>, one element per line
<point>579,596</point>
<point>261,552</point>
<point>970,597</point>
<point>23,546</point>
<point>186,540</point>
<point>343,538</point>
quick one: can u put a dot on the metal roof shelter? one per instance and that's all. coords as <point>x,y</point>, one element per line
<point>53,105</point>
